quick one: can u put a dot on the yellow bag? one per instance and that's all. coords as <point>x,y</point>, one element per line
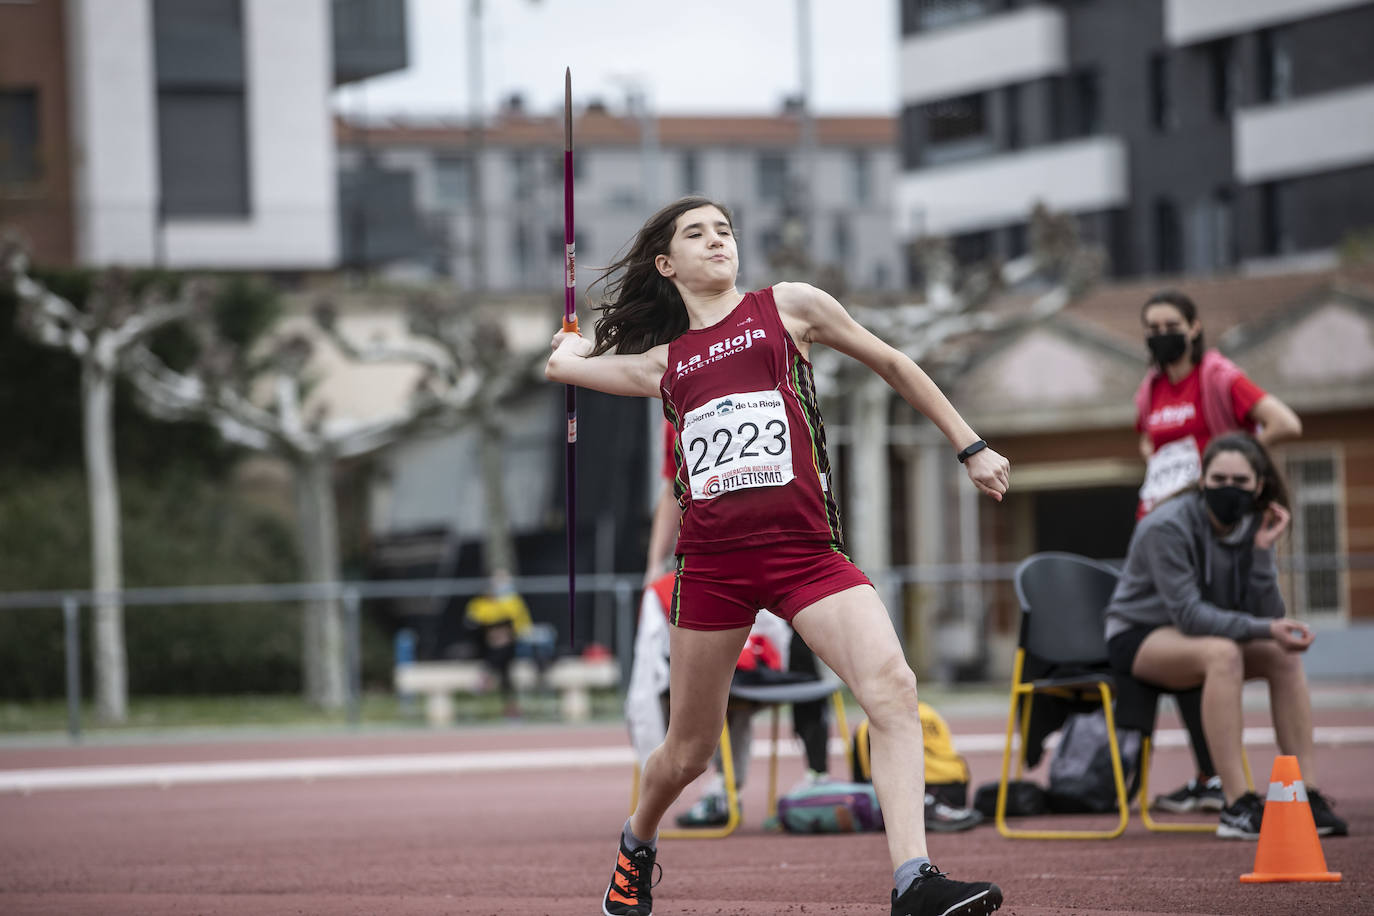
<point>947,772</point>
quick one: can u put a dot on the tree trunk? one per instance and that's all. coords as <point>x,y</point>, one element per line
<point>499,549</point>
<point>869,487</point>
<point>322,647</point>
<point>102,489</point>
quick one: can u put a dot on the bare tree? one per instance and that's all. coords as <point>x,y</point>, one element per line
<point>116,319</point>
<point>959,307</point>
<point>461,377</point>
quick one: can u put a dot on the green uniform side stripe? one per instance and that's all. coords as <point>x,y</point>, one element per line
<point>805,386</point>
<point>679,483</point>
<point>677,591</point>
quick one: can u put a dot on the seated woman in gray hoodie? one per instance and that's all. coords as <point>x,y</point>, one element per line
<point>1198,603</point>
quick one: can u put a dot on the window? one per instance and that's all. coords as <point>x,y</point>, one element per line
<point>691,172</point>
<point>202,120</point>
<point>19,163</point>
<point>1018,240</point>
<point>1161,99</point>
<point>1168,247</point>
<point>1276,235</point>
<point>955,119</point>
<point>1221,66</point>
<point>972,247</point>
<point>1275,69</point>
<point>202,139</point>
<point>842,241</point>
<point>1211,243</point>
<point>453,180</point>
<point>1076,108</point>
<point>920,15</point>
<point>912,136</point>
<point>1011,104</point>
<point>1314,480</point>
<point>863,176</point>
<point>772,176</point>
<point>523,247</point>
<point>522,176</point>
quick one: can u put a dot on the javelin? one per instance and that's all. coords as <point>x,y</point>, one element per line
<point>570,324</point>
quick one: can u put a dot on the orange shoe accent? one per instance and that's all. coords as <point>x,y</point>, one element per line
<point>1289,849</point>
<point>618,897</point>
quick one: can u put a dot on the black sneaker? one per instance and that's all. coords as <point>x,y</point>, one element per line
<point>1193,796</point>
<point>943,818</point>
<point>1328,824</point>
<point>934,894</point>
<point>1242,818</point>
<point>630,892</point>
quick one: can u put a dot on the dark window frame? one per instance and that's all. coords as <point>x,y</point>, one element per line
<point>21,158</point>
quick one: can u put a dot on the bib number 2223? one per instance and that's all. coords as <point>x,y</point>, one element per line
<point>737,442</point>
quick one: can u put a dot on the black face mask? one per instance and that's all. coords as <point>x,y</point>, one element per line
<point>1229,504</point>
<point>1167,348</point>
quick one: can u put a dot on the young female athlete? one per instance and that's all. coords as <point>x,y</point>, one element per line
<point>759,524</point>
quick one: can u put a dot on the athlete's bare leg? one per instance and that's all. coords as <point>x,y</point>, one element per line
<point>699,688</point>
<point>851,632</point>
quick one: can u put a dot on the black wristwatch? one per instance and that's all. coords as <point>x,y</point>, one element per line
<point>971,450</point>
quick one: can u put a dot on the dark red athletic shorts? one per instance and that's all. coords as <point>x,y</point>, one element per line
<point>721,591</point>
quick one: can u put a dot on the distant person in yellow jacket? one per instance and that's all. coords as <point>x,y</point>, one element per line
<point>503,618</point>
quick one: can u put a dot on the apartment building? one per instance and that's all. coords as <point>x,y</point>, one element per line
<point>181,133</point>
<point>486,208</point>
<point>1190,136</point>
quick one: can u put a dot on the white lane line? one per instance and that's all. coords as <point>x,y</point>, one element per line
<point>310,768</point>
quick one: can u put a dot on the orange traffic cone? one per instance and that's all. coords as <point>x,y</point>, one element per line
<point>1288,846</point>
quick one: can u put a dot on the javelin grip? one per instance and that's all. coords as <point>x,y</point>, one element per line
<point>570,327</point>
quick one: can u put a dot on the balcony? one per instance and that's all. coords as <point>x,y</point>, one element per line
<point>1317,133</point>
<point>1080,176</point>
<point>996,51</point>
<point>369,39</point>
<point>1190,21</point>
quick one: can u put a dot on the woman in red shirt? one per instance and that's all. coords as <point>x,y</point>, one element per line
<point>1191,395</point>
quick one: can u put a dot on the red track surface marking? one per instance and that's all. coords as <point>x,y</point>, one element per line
<point>542,842</point>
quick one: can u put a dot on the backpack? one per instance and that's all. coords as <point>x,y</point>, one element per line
<point>831,807</point>
<point>1081,768</point>
<point>947,772</point>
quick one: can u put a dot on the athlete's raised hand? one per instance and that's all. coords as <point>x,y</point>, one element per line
<point>581,346</point>
<point>990,472</point>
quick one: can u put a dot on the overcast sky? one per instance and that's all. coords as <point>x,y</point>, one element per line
<point>692,56</point>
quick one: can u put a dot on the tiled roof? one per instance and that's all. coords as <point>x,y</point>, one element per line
<point>1223,302</point>
<point>597,128</point>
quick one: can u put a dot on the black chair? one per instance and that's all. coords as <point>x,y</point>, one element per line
<point>1062,597</point>
<point>1137,706</point>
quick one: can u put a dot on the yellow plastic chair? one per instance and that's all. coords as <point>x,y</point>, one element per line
<point>774,696</point>
<point>1137,705</point>
<point>1062,597</point>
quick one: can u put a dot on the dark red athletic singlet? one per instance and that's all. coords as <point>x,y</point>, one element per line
<point>750,453</point>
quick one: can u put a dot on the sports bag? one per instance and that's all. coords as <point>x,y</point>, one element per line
<point>947,772</point>
<point>1081,778</point>
<point>831,807</point>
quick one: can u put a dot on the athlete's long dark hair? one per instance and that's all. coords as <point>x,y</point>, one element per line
<point>641,308</point>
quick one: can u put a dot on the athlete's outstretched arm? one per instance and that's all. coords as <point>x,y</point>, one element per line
<point>633,375</point>
<point>823,320</point>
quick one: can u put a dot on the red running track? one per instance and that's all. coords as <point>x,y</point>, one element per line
<point>542,842</point>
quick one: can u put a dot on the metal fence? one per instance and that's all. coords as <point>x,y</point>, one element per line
<point>612,619</point>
